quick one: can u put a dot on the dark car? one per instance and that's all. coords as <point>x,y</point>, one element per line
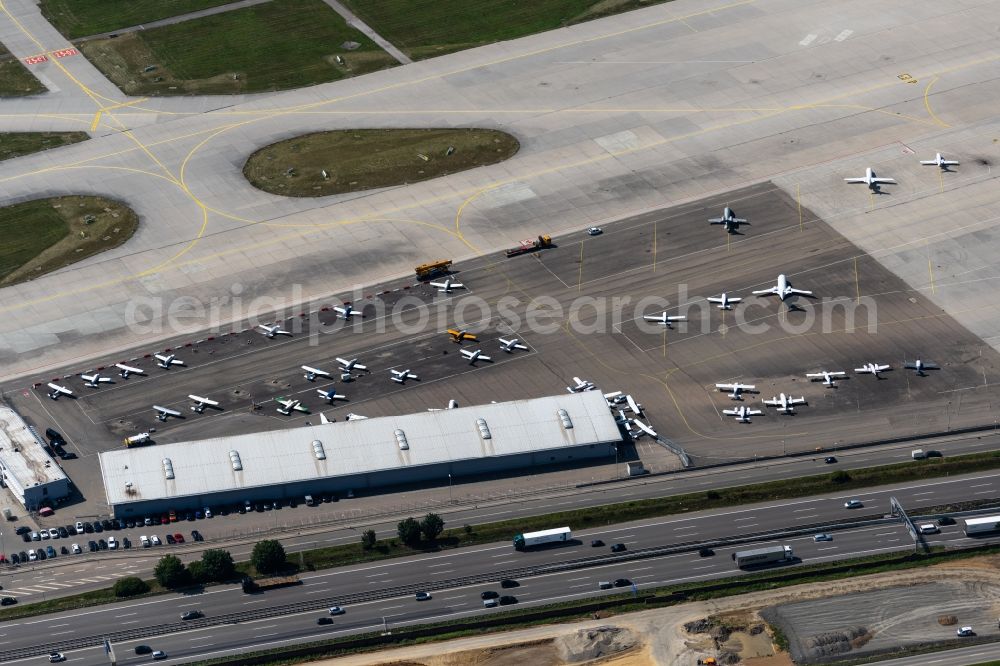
<point>8,601</point>
<point>196,535</point>
<point>92,545</point>
<point>102,544</point>
<point>170,539</point>
<point>276,504</point>
<point>130,524</point>
<point>241,509</point>
<point>68,455</point>
<point>934,454</point>
<point>324,620</point>
<point>618,548</point>
<point>488,594</point>
<point>26,537</point>
<point>143,649</point>
<point>259,508</point>
<point>54,436</point>
<point>117,524</point>
<point>64,550</point>
<point>622,582</point>
<point>829,460</point>
<point>98,526</point>
<point>40,553</point>
<point>189,516</point>
<point>15,558</point>
<point>126,542</point>
<point>507,600</point>
<point>191,615</point>
<point>106,525</point>
<point>946,520</point>
<point>705,552</point>
<point>292,503</point>
<point>88,528</point>
<point>63,532</point>
<point>199,515</point>
<point>596,543</point>
<point>423,596</point>
<point>23,529</point>
<point>24,556</point>
<point>508,583</point>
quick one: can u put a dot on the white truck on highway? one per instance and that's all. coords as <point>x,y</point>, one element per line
<point>759,556</point>
<point>532,539</point>
<point>982,526</point>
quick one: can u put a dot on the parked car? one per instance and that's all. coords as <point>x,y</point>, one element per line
<point>934,454</point>
<point>41,554</point>
<point>26,537</point>
<point>178,537</point>
<point>144,540</point>
<point>196,535</point>
<point>64,550</point>
<point>98,527</point>
<point>15,558</point>
<point>170,539</point>
<point>823,537</point>
<point>92,545</point>
<point>88,528</point>
<point>853,504</point>
<point>172,516</point>
<point>44,535</point>
<point>147,521</point>
<point>208,512</point>
<point>965,631</point>
<point>50,552</point>
<point>23,529</point>
<point>79,527</point>
<point>32,555</point>
<point>102,544</point>
<point>126,543</point>
<point>76,549</point>
<point>423,596</point>
<point>199,515</point>
<point>112,543</point>
<point>63,532</point>
<point>618,548</point>
<point>155,540</point>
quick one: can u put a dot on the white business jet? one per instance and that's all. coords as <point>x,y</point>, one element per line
<point>167,360</point>
<point>873,369</point>
<point>665,319</point>
<point>782,290</point>
<point>871,180</point>
<point>330,395</point>
<point>57,390</point>
<point>920,366</point>
<point>288,404</point>
<point>729,219</point>
<point>736,390</point>
<point>940,161</point>
<point>827,377</point>
<point>785,403</point>
<point>273,330</point>
<point>201,403</point>
<point>95,380</point>
<point>742,413</point>
<point>452,404</point>
<point>724,301</point>
<point>353,364</point>
<point>163,412</point>
<point>127,370</point>
<point>510,345</point>
<point>313,373</point>
<point>476,355</point>
<point>347,311</point>
<point>446,286</point>
<point>581,385</point>
<point>400,376</point>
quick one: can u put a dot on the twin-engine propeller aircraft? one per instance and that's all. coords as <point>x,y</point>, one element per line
<point>871,180</point>
<point>920,366</point>
<point>873,369</point>
<point>742,413</point>
<point>785,403</point>
<point>729,219</point>
<point>580,385</point>
<point>827,377</point>
<point>446,286</point>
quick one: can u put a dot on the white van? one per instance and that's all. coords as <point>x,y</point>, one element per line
<point>918,454</point>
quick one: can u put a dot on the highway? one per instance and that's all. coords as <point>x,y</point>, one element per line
<point>434,572</point>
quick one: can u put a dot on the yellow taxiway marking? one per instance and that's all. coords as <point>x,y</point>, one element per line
<point>930,268</point>
<point>120,105</point>
<point>927,103</point>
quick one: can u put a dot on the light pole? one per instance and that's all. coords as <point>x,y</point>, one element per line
<point>617,474</point>
<point>451,500</point>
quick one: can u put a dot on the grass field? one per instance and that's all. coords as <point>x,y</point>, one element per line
<point>15,144</point>
<point>273,46</point>
<point>426,28</point>
<point>356,160</point>
<point>79,18</point>
<point>15,79</point>
<point>44,235</point>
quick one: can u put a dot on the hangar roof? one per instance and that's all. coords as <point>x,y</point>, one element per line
<point>22,453</point>
<point>386,443</point>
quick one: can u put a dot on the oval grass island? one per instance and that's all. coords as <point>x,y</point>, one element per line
<point>341,161</point>
<point>44,235</point>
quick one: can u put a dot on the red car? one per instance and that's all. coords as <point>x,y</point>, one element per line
<point>179,538</point>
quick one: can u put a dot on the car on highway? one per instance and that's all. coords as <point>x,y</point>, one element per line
<point>604,585</point>
<point>76,549</point>
<point>829,460</point>
<point>191,615</point>
<point>155,540</point>
<point>945,520</point>
<point>490,603</point>
<point>159,654</point>
<point>853,504</point>
<point>596,543</point>
<point>324,620</point>
<point>56,657</point>
<point>178,537</point>
<point>595,231</point>
<point>423,596</point>
<point>934,454</point>
<point>507,600</point>
<point>196,535</point>
<point>618,548</point>
<point>823,537</point>
<point>336,610</point>
<point>488,594</point>
<point>622,582</point>
<point>965,631</point>
<point>143,649</point>
<point>509,582</point>
<point>705,552</point>
<point>928,528</point>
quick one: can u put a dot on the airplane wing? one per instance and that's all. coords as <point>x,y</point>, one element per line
<point>883,180</point>
<point>930,162</point>
<point>715,299</point>
<point>772,290</point>
<point>731,412</point>
<point>862,370</point>
<point>855,180</point>
<point>772,401</point>
<point>467,354</point>
<point>483,357</point>
<point>323,420</point>
<point>754,412</point>
<point>931,366</point>
<point>803,292</point>
<point>659,318</point>
<point>884,367</point>
<point>725,387</point>
<point>815,375</point>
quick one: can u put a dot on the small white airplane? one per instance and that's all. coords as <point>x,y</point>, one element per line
<point>635,407</point>
<point>351,365</point>
<point>323,420</point>
<point>622,419</point>
<point>920,366</point>
<point>742,413</point>
<point>273,330</point>
<point>782,290</point>
<point>347,311</point>
<point>665,319</point>
<point>940,161</point>
<point>163,412</point>
<point>446,286</point>
<point>57,391</point>
<point>512,344</point>
<point>95,380</point>
<point>356,417</point>
<point>127,370</point>
<point>288,404</point>
<point>871,180</point>
<point>873,369</point>
<point>400,376</point>
<point>313,373</point>
<point>167,360</point>
<point>785,403</point>
<point>474,356</point>
<point>201,403</point>
<point>330,395</point>
<point>614,398</point>
<point>644,428</point>
<point>581,385</point>
<point>452,404</point>
<point>724,301</point>
<point>827,377</point>
<point>729,219</point>
<point>736,390</point>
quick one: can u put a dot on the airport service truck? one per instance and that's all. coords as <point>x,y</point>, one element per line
<point>982,526</point>
<point>251,585</point>
<point>530,245</point>
<point>433,269</point>
<point>544,537</point>
<point>759,556</point>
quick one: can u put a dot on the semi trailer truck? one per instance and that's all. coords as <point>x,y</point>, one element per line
<point>759,556</point>
<point>542,538</point>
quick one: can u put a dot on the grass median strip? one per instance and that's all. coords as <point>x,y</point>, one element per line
<point>16,144</point>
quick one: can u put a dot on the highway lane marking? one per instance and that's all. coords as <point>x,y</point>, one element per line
<point>381,573</point>
<point>736,520</point>
<point>385,608</point>
<point>61,633</point>
<point>445,571</point>
<point>929,492</point>
<point>983,492</point>
<point>507,554</point>
<point>750,525</point>
<point>811,515</point>
<point>885,533</point>
<point>379,582</point>
<point>127,614</point>
<point>568,580</point>
<point>798,510</point>
<point>642,568</point>
<point>980,485</point>
<point>257,601</point>
<point>270,626</point>
<point>627,536</point>
<point>132,622</point>
<point>325,590</point>
<point>442,564</point>
<point>827,548</point>
<point>56,626</point>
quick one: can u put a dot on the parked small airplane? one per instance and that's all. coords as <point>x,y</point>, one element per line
<point>622,419</point>
<point>460,335</point>
<point>163,412</point>
<point>614,398</point>
<point>785,403</point>
<point>323,420</point>
<point>742,413</point>
<point>347,311</point>
<point>729,219</point>
<point>127,370</point>
<point>476,355</point>
<point>736,390</point>
<point>871,180</point>
<point>873,369</point>
<point>356,417</point>
<point>452,404</point>
<point>827,377</point>
<point>920,366</point>
<point>95,380</point>
<point>201,403</point>
<point>724,301</point>
<point>400,376</point>
<point>446,286</point>
<point>940,161</point>
<point>57,391</point>
<point>581,385</point>
<point>782,290</point>
<point>330,395</point>
<point>273,330</point>
<point>665,319</point>
<point>644,428</point>
<point>510,345</point>
<point>313,373</point>
<point>167,360</point>
<point>288,404</point>
<point>351,365</point>
<point>634,406</point>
